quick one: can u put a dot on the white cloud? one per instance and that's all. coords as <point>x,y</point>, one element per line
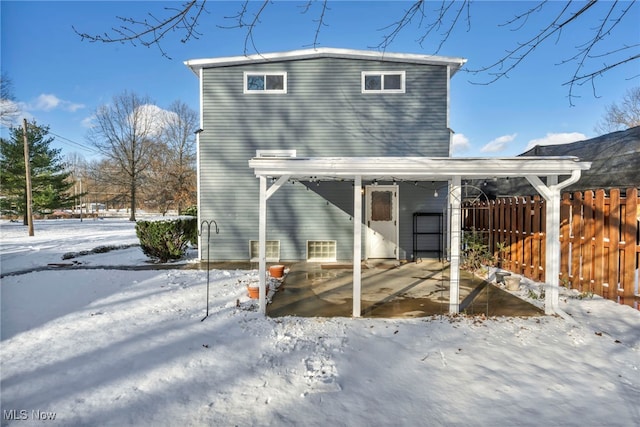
<point>557,138</point>
<point>49,101</point>
<point>46,102</point>
<point>87,122</point>
<point>70,106</point>
<point>459,143</point>
<point>498,144</point>
<point>152,119</point>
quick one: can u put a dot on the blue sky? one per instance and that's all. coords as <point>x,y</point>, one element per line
<point>60,80</point>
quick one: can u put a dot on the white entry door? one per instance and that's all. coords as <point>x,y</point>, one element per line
<point>382,221</point>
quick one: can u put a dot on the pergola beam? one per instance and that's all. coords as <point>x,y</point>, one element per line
<point>422,169</point>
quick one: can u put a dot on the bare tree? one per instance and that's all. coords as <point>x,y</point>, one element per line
<point>9,109</point>
<point>126,132</point>
<point>433,20</point>
<point>108,182</point>
<point>179,138</point>
<point>622,116</point>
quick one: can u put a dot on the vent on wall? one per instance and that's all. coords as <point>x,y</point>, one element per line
<point>321,250</point>
<point>273,251</point>
<point>275,153</point>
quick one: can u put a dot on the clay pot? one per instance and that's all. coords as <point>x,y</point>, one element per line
<point>254,292</point>
<point>276,271</point>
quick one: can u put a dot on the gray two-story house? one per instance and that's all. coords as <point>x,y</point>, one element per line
<point>323,103</point>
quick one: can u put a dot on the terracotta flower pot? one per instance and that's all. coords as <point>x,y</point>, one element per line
<point>254,292</point>
<point>276,271</point>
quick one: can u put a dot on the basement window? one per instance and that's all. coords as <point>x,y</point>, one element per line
<point>273,250</point>
<point>265,82</point>
<point>321,250</point>
<point>383,81</point>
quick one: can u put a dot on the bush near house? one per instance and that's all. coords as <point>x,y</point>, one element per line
<point>166,239</point>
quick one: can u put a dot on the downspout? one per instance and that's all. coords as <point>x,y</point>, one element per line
<point>198,168</point>
<point>551,193</point>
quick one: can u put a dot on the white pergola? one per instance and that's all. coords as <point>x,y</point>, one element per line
<point>544,173</point>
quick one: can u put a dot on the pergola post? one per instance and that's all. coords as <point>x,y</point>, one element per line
<point>551,193</point>
<point>262,246</point>
<point>455,197</point>
<point>552,254</point>
<point>357,245</point>
<point>265,194</point>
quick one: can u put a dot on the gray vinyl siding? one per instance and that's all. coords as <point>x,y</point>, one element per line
<point>323,113</point>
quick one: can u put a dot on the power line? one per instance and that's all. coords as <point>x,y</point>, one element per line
<point>77,144</point>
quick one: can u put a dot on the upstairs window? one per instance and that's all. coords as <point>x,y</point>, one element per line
<point>383,82</point>
<point>265,82</point>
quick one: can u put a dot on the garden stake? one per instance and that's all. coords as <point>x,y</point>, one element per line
<point>208,224</point>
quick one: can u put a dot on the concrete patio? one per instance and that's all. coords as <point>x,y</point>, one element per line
<point>389,289</point>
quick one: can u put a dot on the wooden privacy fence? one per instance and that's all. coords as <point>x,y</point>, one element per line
<point>599,238</point>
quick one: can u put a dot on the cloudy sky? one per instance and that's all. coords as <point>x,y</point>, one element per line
<point>59,79</point>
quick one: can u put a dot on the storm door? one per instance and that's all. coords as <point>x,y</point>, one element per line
<point>382,221</point>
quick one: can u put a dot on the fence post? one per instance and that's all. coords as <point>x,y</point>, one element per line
<point>630,233</point>
<point>599,261</point>
<point>589,235</point>
<point>614,244</point>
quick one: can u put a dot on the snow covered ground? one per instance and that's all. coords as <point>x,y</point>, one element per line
<point>113,347</point>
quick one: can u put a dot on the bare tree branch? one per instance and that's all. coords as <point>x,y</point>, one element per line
<point>320,20</point>
<point>248,23</point>
<point>440,23</point>
<point>396,28</point>
<point>513,58</point>
<point>584,51</point>
<point>152,30</point>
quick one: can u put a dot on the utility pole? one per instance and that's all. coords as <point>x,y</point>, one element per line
<point>27,170</point>
<point>80,199</point>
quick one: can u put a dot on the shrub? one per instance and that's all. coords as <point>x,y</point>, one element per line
<point>191,210</point>
<point>475,252</point>
<point>166,239</point>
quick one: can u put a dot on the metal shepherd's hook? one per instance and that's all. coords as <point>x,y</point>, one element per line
<point>208,224</point>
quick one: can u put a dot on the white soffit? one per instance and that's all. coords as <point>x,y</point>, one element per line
<point>414,168</point>
<point>454,62</point>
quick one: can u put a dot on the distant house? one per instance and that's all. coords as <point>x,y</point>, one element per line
<point>614,157</point>
<point>321,103</point>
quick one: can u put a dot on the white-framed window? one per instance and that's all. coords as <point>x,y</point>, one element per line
<point>321,250</point>
<point>273,250</point>
<point>383,81</point>
<point>258,82</point>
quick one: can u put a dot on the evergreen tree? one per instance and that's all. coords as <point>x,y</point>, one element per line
<point>49,180</point>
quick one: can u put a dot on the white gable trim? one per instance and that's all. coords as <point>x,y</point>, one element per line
<point>454,63</point>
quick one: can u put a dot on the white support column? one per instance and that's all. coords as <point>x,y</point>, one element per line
<point>262,246</point>
<point>552,258</point>
<point>455,198</point>
<point>357,245</point>
<point>551,193</point>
